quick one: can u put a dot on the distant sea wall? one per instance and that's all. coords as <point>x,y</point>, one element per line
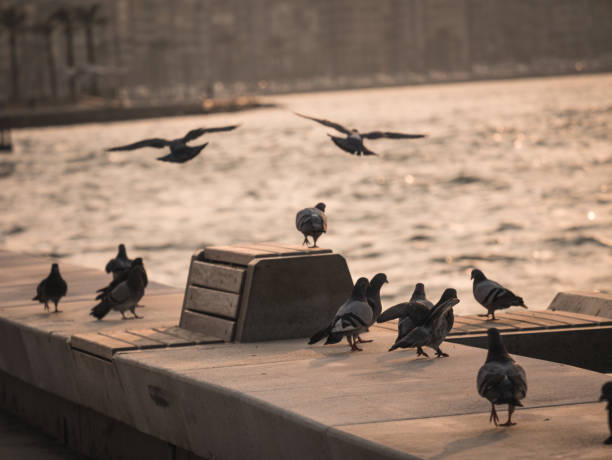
<point>135,51</point>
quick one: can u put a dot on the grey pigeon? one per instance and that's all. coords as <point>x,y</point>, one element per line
<point>120,264</point>
<point>125,295</point>
<point>410,314</point>
<point>353,142</point>
<point>51,289</point>
<point>312,222</point>
<point>121,277</point>
<point>180,152</point>
<point>432,331</point>
<point>352,318</point>
<point>501,380</point>
<point>373,293</point>
<point>606,395</point>
<point>492,295</point>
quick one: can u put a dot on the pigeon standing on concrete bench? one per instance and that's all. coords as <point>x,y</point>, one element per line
<point>123,295</point>
<point>500,379</point>
<point>52,288</point>
<point>493,296</point>
<point>434,329</point>
<point>353,317</point>
<point>312,222</point>
<point>121,278</point>
<point>120,264</point>
<point>606,395</point>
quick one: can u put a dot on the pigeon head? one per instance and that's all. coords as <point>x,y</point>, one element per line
<point>361,286</point>
<point>477,275</point>
<point>121,252</point>
<point>606,392</point>
<point>497,350</point>
<point>378,280</point>
<point>320,207</point>
<point>54,268</point>
<point>419,290</point>
<point>449,293</point>
<point>137,261</point>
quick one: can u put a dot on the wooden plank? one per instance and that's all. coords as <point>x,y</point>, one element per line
<point>167,339</point>
<point>216,276</point>
<point>535,320</point>
<point>99,345</point>
<point>581,317</point>
<point>193,337</point>
<point>211,301</point>
<point>234,255</point>
<point>482,323</point>
<point>136,340</point>
<point>563,320</point>
<point>297,248</point>
<point>209,325</point>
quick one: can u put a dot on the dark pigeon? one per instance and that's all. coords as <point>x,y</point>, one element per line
<point>353,317</point>
<point>501,380</point>
<point>120,264</point>
<point>492,295</point>
<point>373,293</point>
<point>312,222</point>
<point>125,295</point>
<point>180,152</point>
<point>432,331</point>
<point>353,142</point>
<point>606,395</point>
<point>121,278</point>
<point>51,289</point>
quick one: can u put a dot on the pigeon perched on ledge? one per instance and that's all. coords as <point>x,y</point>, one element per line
<point>51,289</point>
<point>492,295</point>
<point>120,264</point>
<point>312,222</point>
<point>353,317</point>
<point>122,294</point>
<point>606,395</point>
<point>353,142</point>
<point>500,379</point>
<point>180,152</point>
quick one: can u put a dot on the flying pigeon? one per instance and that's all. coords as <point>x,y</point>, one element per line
<point>52,288</point>
<point>353,317</point>
<point>493,296</point>
<point>312,222</point>
<point>120,264</point>
<point>353,142</point>
<point>500,379</point>
<point>432,331</point>
<point>180,152</point>
<point>125,295</point>
<point>606,395</point>
<point>121,277</point>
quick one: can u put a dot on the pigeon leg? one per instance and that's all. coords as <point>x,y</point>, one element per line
<point>440,353</point>
<point>305,242</point>
<point>493,418</point>
<point>360,340</point>
<point>123,316</point>
<point>353,343</point>
<point>510,411</point>
<point>56,310</point>
<point>314,245</point>
<point>420,352</point>
<point>133,310</point>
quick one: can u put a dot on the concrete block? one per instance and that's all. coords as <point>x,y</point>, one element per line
<point>588,303</point>
<point>218,303</point>
<point>14,358</point>
<point>290,297</point>
<point>209,325</point>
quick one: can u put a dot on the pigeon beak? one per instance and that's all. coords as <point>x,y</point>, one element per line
<point>386,281</point>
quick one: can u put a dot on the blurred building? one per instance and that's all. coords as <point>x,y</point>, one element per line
<point>153,51</point>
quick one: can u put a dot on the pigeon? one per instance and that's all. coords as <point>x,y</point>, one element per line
<point>501,380</point>
<point>606,395</point>
<point>493,296</point>
<point>433,330</point>
<point>125,295</point>
<point>373,293</point>
<point>312,222</point>
<point>180,152</point>
<point>52,288</point>
<point>353,142</point>
<point>121,277</point>
<point>120,264</point>
<point>353,317</point>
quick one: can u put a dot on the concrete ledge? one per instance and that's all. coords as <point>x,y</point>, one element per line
<point>588,303</point>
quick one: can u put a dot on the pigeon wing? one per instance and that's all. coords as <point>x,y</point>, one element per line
<point>327,123</point>
<point>402,310</point>
<point>486,290</point>
<point>156,143</point>
<point>353,315</point>
<point>195,133</point>
<point>390,135</point>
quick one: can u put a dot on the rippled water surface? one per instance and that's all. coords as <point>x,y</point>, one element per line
<point>515,177</point>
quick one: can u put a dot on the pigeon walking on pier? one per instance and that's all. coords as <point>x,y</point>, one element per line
<point>353,142</point>
<point>180,152</point>
<point>492,295</point>
<point>606,395</point>
<point>120,264</point>
<point>501,380</point>
<point>121,277</point>
<point>124,295</point>
<point>353,317</point>
<point>312,222</point>
<point>51,289</point>
<point>432,331</point>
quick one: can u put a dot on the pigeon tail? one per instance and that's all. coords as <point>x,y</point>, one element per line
<point>101,310</point>
<point>320,335</point>
<point>334,337</point>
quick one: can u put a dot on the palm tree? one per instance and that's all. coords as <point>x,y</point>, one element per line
<point>13,19</point>
<point>89,18</point>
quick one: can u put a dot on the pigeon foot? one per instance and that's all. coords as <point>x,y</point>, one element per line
<point>508,423</point>
<point>608,441</point>
<point>441,354</point>
<point>360,340</point>
<point>494,418</point>
<point>422,353</point>
<point>354,347</point>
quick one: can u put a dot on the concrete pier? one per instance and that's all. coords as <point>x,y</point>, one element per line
<point>126,389</point>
